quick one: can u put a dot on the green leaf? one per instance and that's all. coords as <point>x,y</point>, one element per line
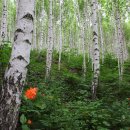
<point>40,105</point>
<point>23,119</point>
<point>106,123</point>
<point>25,127</point>
<point>123,117</point>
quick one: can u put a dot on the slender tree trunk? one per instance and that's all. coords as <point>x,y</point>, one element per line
<point>15,75</point>
<point>101,37</point>
<point>4,22</point>
<point>60,40</point>
<point>84,53</point>
<point>50,44</point>
<point>42,31</point>
<point>34,46</point>
<point>84,45</point>
<point>120,44</point>
<point>96,63</point>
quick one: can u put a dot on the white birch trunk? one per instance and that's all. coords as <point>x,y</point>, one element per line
<point>42,28</point>
<point>101,37</point>
<point>60,40</point>
<point>4,22</point>
<point>120,44</point>
<point>96,62</point>
<point>15,75</point>
<point>84,52</point>
<point>34,46</point>
<point>50,44</point>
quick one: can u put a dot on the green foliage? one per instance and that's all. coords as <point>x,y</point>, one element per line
<point>5,51</point>
<point>23,121</point>
<point>127,31</point>
<point>64,102</point>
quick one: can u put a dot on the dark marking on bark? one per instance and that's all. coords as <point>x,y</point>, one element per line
<point>20,77</point>
<point>97,69</point>
<point>94,39</point>
<point>96,49</point>
<point>27,41</point>
<point>20,57</point>
<point>94,33</point>
<point>19,30</point>
<point>9,66</point>
<point>15,37</point>
<point>28,16</point>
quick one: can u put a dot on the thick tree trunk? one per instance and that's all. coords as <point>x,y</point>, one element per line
<point>96,63</point>
<point>50,44</point>
<point>15,75</point>
<point>4,22</point>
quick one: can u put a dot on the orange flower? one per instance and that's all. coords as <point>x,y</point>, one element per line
<point>31,93</point>
<point>29,122</point>
<point>128,98</point>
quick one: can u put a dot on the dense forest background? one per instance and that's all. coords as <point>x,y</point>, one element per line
<point>79,64</point>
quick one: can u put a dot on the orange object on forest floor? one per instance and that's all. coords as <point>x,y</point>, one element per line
<point>29,122</point>
<point>31,93</point>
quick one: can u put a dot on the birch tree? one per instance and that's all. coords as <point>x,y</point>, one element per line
<point>96,64</point>
<point>42,31</point>
<point>34,46</point>
<point>15,75</point>
<point>4,22</point>
<point>101,36</point>
<point>60,40</point>
<point>122,51</point>
<point>50,43</point>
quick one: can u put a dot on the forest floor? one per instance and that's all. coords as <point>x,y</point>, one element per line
<point>64,102</point>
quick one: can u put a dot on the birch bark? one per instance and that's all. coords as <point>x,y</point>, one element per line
<point>96,63</point>
<point>15,75</point>
<point>60,40</point>
<point>42,27</point>
<point>50,44</point>
<point>4,22</point>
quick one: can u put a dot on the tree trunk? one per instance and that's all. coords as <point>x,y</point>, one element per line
<point>60,40</point>
<point>4,22</point>
<point>50,44</point>
<point>15,75</point>
<point>42,31</point>
<point>120,44</point>
<point>101,37</point>
<point>96,63</point>
<point>34,46</point>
